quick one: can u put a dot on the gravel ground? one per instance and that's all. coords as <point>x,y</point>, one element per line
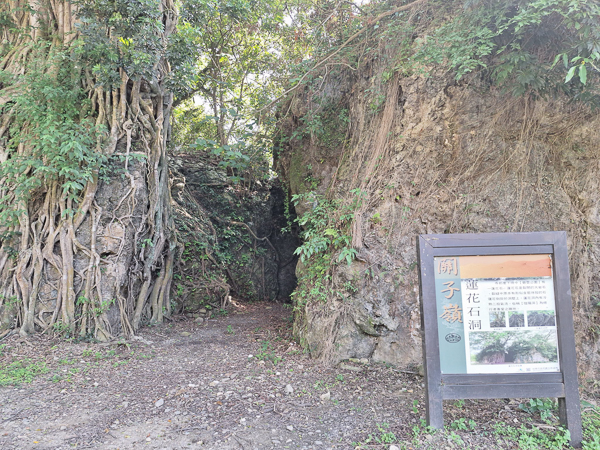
<point>235,381</point>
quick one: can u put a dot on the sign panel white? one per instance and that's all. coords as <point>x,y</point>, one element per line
<point>510,325</point>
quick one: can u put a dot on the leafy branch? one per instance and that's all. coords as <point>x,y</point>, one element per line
<point>370,21</point>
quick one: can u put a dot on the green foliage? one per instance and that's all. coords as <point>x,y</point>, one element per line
<point>325,225</point>
<point>313,124</point>
<point>591,429</point>
<point>189,121</point>
<point>325,229</point>
<point>219,43</point>
<point>52,136</point>
<point>460,403</point>
<point>534,438</point>
<point>244,160</point>
<point>544,406</point>
<point>383,437</point>
<point>326,124</point>
<point>580,67</point>
<point>120,34</point>
<point>519,42</point>
<point>96,309</point>
<point>266,353</point>
<point>463,425</point>
<point>230,57</point>
<point>62,329</point>
<point>19,372</point>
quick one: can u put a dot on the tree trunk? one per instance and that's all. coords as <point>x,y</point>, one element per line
<point>98,263</point>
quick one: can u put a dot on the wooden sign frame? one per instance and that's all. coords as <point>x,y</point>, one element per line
<point>562,385</point>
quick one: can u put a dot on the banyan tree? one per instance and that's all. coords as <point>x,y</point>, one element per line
<point>86,239</point>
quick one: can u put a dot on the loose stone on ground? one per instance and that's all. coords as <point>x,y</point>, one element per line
<point>186,385</point>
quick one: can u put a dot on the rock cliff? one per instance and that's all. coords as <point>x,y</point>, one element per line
<point>432,155</point>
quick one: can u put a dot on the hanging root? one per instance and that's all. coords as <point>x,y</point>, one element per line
<point>91,265</point>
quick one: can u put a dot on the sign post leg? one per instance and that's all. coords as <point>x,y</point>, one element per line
<point>434,409</point>
<point>433,396</point>
<point>569,413</point>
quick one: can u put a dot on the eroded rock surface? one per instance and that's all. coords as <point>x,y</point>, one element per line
<point>434,156</point>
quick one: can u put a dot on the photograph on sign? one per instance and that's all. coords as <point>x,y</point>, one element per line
<point>496,314</point>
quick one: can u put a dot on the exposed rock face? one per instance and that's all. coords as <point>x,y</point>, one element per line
<point>433,156</point>
<point>117,231</point>
<point>117,238</point>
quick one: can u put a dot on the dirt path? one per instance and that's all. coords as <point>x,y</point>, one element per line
<point>236,381</point>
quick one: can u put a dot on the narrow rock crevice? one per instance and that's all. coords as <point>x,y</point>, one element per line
<point>234,241</point>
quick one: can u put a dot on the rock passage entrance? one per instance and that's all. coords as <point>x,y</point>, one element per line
<point>236,381</point>
<point>234,241</point>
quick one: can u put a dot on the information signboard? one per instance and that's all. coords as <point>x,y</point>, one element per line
<point>496,314</point>
<point>497,320</point>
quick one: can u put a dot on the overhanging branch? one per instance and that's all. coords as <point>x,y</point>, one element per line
<point>370,21</point>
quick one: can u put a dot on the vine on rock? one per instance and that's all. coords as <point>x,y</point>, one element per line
<point>326,227</point>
